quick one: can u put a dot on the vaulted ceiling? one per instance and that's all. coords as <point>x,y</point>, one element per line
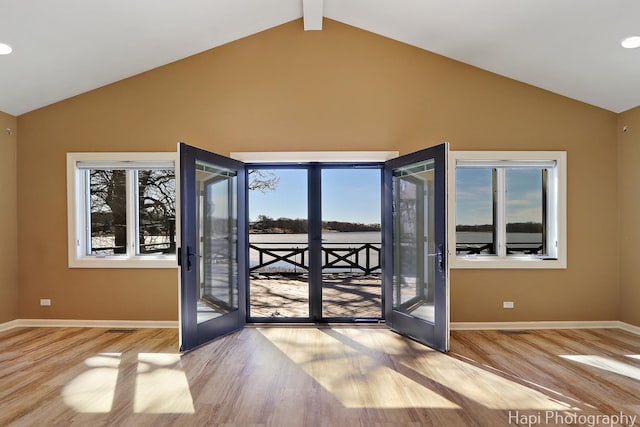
<point>571,47</point>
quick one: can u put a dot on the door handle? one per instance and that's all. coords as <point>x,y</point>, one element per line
<point>190,255</point>
<point>439,255</point>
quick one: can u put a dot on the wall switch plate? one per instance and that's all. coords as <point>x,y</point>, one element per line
<point>507,304</point>
<point>45,302</point>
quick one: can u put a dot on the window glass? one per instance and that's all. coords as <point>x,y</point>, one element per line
<point>156,211</point>
<point>351,243</point>
<point>108,212</point>
<point>278,243</point>
<point>217,255</point>
<point>525,202</point>
<point>413,283</point>
<point>475,228</point>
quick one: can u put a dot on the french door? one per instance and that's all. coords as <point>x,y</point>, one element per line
<point>415,273</point>
<point>213,254</point>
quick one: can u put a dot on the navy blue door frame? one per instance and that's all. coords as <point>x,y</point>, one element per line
<point>314,235</point>
<point>434,333</point>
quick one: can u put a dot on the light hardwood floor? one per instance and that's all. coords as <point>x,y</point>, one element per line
<point>316,376</point>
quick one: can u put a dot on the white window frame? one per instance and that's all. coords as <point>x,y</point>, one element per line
<point>556,210</point>
<point>313,156</point>
<point>77,210</point>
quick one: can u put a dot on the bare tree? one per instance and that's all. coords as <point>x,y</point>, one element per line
<point>108,207</point>
<point>263,180</point>
<point>156,210</point>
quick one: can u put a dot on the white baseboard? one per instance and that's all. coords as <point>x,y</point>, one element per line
<point>65,323</point>
<point>455,326</point>
<point>8,325</point>
<point>629,328</point>
<point>477,326</point>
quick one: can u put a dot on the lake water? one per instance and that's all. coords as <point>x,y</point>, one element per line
<point>357,237</point>
<point>374,237</point>
<point>354,237</point>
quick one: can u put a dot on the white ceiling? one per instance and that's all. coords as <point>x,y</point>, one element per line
<point>571,47</point>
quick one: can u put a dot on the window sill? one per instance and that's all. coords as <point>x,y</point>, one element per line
<point>123,262</point>
<point>515,262</point>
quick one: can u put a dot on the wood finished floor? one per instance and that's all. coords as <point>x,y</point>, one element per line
<point>315,376</point>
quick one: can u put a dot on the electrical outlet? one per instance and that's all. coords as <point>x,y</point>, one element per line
<point>45,302</point>
<point>507,304</point>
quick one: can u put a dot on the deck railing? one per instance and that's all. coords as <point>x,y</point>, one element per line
<point>281,256</point>
<point>365,257</point>
<point>528,248</point>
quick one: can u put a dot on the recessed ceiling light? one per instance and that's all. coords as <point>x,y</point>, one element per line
<point>631,42</point>
<point>5,49</point>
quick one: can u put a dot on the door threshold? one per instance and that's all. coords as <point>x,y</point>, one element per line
<point>357,324</point>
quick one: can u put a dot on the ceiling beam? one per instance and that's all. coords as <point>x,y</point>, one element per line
<point>312,14</point>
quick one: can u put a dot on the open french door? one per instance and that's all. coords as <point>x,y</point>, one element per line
<point>212,253</point>
<point>416,297</point>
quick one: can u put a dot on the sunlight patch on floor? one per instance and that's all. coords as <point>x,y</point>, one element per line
<point>93,391</point>
<point>606,364</point>
<point>161,385</point>
<point>355,379</point>
<point>480,385</point>
<point>485,387</point>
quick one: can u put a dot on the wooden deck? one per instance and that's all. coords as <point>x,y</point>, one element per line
<point>317,376</point>
<point>355,295</point>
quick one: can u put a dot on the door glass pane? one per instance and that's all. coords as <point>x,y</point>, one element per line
<point>475,216</point>
<point>217,252</point>
<point>351,214</point>
<point>525,206</point>
<point>278,243</point>
<point>415,257</point>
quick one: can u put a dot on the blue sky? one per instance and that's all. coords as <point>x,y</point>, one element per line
<point>350,195</point>
<point>353,195</point>
<point>524,195</point>
<point>474,198</point>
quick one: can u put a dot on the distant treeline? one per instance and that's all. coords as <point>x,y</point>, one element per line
<point>512,227</point>
<point>349,226</point>
<point>267,225</point>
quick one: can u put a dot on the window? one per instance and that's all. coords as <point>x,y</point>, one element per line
<point>508,209</point>
<point>121,210</point>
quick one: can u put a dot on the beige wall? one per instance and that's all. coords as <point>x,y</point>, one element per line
<point>338,89</point>
<point>629,196</point>
<point>8,219</point>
